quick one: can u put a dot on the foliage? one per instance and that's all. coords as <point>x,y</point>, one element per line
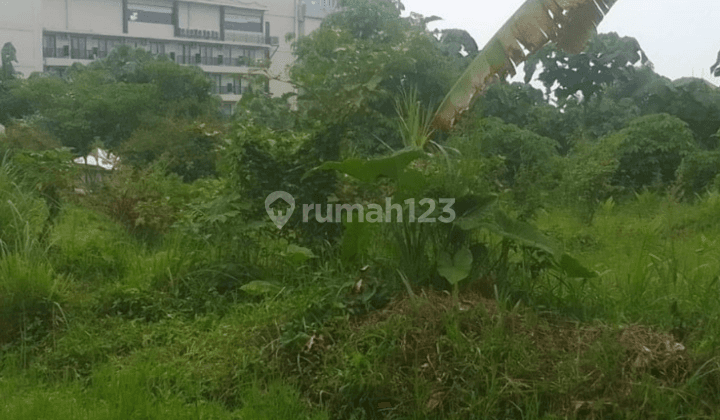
<point>529,159</point>
<point>588,174</point>
<point>715,68</point>
<point>697,171</point>
<point>110,98</point>
<point>534,24</point>
<point>350,69</point>
<point>188,149</point>
<point>650,150</point>
<point>608,58</point>
<point>29,134</point>
<point>90,246</point>
<point>274,113</point>
<point>259,161</point>
<point>28,294</point>
<point>8,55</point>
<point>23,213</point>
<point>51,173</point>
<point>520,148</point>
<point>414,121</point>
<point>145,201</point>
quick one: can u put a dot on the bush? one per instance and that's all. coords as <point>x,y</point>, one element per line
<point>22,213</point>
<point>529,158</point>
<point>29,135</point>
<point>145,201</point>
<point>89,245</point>
<point>587,176</point>
<point>28,289</point>
<point>259,161</point>
<point>698,170</point>
<point>651,149</point>
<point>521,148</point>
<point>190,150</point>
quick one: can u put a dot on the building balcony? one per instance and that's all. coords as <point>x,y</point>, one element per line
<point>75,54</point>
<point>221,61</point>
<point>228,89</point>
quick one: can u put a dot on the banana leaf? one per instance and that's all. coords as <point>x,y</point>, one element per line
<point>568,23</point>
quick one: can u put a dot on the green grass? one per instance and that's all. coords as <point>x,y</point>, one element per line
<point>130,331</point>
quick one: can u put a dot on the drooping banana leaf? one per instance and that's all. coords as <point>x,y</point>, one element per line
<point>568,23</point>
<point>715,68</point>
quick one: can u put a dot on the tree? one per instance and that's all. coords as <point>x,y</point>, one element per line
<point>568,23</point>
<point>607,59</point>
<point>715,68</point>
<point>110,98</point>
<point>350,69</point>
<point>9,56</point>
<point>650,150</point>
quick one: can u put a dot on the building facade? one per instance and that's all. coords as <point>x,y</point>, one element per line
<point>230,40</point>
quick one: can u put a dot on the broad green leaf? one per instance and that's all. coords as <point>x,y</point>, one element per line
<point>368,170</point>
<point>258,288</point>
<point>457,267</point>
<point>473,210</point>
<point>523,232</point>
<point>568,23</point>
<point>297,254</point>
<point>572,268</point>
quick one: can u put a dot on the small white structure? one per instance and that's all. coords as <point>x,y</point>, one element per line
<point>95,166</point>
<point>99,158</point>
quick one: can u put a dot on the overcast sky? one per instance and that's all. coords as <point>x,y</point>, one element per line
<point>681,38</point>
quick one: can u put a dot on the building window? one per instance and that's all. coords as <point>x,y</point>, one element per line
<point>247,21</point>
<point>206,55</point>
<point>49,46</point>
<point>78,47</point>
<point>216,81</point>
<point>157,48</point>
<point>105,46</point>
<point>150,14</point>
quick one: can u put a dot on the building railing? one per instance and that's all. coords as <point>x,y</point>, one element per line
<point>228,90</point>
<point>67,52</point>
<point>221,61</point>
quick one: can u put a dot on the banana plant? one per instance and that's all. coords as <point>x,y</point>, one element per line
<point>715,68</point>
<point>568,23</point>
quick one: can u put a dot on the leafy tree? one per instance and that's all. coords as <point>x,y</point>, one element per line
<point>698,170</point>
<point>110,98</point>
<point>189,149</point>
<point>274,113</point>
<point>588,173</point>
<point>608,58</point>
<point>715,68</point>
<point>350,69</point>
<point>8,55</point>
<point>692,100</point>
<point>650,150</point>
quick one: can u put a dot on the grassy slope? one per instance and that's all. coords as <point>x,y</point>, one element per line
<point>288,356</point>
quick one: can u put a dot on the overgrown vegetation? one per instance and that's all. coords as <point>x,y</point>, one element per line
<point>578,276</point>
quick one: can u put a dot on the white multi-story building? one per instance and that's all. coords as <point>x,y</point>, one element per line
<point>228,39</point>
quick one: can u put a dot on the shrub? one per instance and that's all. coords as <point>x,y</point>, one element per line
<point>145,201</point>
<point>259,161</point>
<point>190,150</point>
<point>651,149</point>
<point>29,135</point>
<point>22,213</point>
<point>698,170</point>
<point>89,245</point>
<point>28,289</point>
<point>521,148</point>
<point>529,158</point>
<point>587,175</point>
